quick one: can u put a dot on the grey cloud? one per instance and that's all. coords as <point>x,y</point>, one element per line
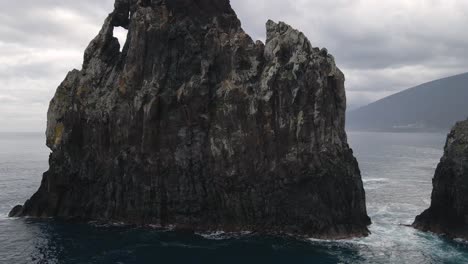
<point>39,70</point>
<point>50,24</point>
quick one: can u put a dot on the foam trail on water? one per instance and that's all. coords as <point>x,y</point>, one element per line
<point>376,180</point>
<point>221,235</point>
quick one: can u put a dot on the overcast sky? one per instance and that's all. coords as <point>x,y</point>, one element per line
<point>382,46</point>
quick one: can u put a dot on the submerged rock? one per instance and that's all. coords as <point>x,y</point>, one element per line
<point>195,125</point>
<point>448,213</point>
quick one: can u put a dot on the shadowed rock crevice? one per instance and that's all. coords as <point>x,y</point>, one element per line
<point>195,125</point>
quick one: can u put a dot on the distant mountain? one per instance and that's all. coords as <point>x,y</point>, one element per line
<point>433,106</point>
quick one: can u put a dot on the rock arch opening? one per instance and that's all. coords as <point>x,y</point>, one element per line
<point>121,34</point>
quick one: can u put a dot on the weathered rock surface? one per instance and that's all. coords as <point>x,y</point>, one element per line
<point>195,125</point>
<point>448,213</point>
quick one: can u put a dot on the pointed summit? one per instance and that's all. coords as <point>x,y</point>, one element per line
<point>124,9</point>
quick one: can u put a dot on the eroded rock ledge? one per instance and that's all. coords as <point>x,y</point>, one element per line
<point>195,125</point>
<point>448,213</point>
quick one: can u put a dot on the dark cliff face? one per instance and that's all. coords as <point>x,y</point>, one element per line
<point>448,213</point>
<point>195,125</point>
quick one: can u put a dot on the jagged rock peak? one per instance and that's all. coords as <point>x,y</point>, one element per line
<point>448,213</point>
<point>124,9</point>
<point>194,124</point>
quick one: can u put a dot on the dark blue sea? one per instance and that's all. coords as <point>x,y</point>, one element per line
<point>397,170</point>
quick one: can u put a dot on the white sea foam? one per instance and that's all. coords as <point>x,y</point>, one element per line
<point>370,180</point>
<point>321,241</point>
<point>375,183</point>
<point>217,235</point>
<point>221,235</point>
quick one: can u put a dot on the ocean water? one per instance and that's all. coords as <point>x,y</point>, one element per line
<point>397,170</point>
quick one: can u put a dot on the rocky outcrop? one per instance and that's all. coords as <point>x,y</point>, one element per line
<point>448,213</point>
<point>195,125</point>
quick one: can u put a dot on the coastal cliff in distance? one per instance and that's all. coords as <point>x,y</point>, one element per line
<point>194,125</point>
<point>431,107</point>
<point>448,213</point>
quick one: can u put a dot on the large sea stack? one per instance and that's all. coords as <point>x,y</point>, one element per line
<point>194,125</point>
<point>448,213</point>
